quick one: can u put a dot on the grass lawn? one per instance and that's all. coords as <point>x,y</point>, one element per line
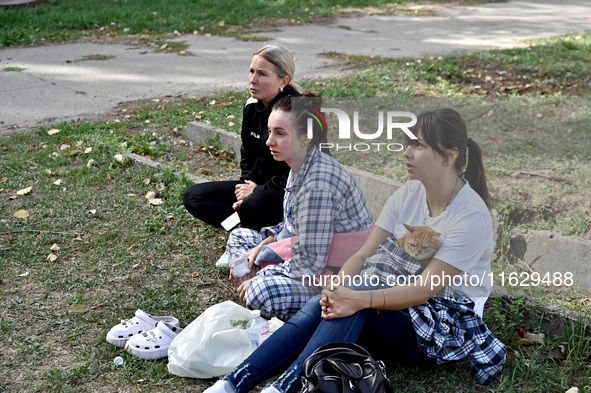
<point>82,248</point>
<point>60,20</point>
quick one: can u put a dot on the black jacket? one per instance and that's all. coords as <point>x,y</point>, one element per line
<point>256,162</point>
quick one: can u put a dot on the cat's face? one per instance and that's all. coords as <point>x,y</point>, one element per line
<point>421,242</point>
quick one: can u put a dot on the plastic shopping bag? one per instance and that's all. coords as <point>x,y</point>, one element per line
<point>213,344</point>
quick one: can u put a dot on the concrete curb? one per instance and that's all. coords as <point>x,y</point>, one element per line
<point>547,252</point>
<point>139,160</point>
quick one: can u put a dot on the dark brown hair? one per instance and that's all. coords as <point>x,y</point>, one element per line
<point>445,129</point>
<point>307,107</point>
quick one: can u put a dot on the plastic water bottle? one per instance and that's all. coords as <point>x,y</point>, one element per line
<point>258,329</point>
<point>239,266</point>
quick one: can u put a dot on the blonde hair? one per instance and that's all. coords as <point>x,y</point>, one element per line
<point>282,60</point>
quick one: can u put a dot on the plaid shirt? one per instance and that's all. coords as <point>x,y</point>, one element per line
<point>446,327</point>
<point>325,199</point>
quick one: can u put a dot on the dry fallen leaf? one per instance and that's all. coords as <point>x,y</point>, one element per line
<point>150,195</point>
<point>55,247</point>
<point>53,131</point>
<point>92,211</point>
<point>21,214</point>
<point>118,157</point>
<point>25,274</point>
<point>4,180</point>
<point>51,257</point>
<point>195,274</point>
<point>58,182</point>
<point>156,201</point>
<point>89,163</point>
<point>24,191</point>
<point>147,181</point>
<point>532,338</point>
<point>88,150</point>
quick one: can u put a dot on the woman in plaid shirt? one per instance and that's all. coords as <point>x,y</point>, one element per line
<point>322,199</point>
<point>422,322</point>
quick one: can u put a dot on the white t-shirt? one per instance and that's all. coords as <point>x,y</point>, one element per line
<point>466,235</point>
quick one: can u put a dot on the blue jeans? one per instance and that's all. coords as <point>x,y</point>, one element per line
<point>387,334</point>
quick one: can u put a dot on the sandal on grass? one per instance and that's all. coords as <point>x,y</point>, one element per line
<point>154,343</point>
<point>141,322</point>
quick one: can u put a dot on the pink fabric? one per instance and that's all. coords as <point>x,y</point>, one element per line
<point>343,246</point>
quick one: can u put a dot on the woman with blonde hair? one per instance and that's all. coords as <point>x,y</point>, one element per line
<point>258,195</point>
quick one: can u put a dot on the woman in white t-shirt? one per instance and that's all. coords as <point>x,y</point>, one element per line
<point>431,321</point>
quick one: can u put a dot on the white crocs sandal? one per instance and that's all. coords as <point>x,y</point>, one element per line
<point>142,322</point>
<point>154,343</point>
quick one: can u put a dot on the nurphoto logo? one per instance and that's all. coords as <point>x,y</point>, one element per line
<point>393,122</point>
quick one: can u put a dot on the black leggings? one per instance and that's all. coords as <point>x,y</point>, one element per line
<point>212,203</point>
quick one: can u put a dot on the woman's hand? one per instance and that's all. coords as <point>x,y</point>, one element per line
<point>244,190</point>
<point>342,302</point>
<point>251,255</point>
<point>247,276</point>
<point>242,290</point>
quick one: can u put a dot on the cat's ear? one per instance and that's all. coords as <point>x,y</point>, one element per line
<point>435,236</point>
<point>409,228</point>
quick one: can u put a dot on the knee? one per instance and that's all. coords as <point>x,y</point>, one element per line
<point>259,297</point>
<point>192,195</point>
<point>188,196</point>
<point>257,294</point>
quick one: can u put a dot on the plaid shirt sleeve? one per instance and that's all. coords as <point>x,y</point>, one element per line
<point>272,230</point>
<point>449,329</point>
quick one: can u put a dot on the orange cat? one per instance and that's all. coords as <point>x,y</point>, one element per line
<point>420,243</point>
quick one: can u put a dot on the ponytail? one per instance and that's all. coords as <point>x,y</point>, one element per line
<point>445,129</point>
<point>475,171</point>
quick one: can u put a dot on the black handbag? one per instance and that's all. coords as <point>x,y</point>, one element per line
<point>344,368</point>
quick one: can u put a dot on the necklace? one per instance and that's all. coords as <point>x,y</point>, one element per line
<point>446,205</point>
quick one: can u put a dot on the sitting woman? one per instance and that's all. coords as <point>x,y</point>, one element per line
<point>324,210</point>
<point>426,321</point>
<point>257,196</point>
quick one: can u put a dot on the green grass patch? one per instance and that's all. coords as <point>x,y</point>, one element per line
<point>549,67</point>
<point>13,69</point>
<point>116,252</point>
<point>59,20</point>
<point>96,58</point>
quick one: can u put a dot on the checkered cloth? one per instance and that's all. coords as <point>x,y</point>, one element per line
<point>447,327</point>
<point>323,199</point>
<point>276,294</point>
<point>326,200</point>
